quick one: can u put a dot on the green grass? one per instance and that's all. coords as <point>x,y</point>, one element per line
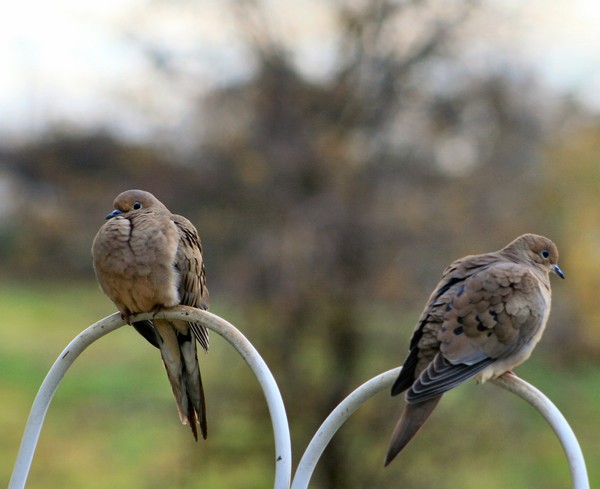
<point>113,422</point>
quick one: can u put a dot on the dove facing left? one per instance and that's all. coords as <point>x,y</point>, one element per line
<point>147,259</point>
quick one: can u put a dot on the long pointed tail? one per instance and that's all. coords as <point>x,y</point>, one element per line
<point>193,384</point>
<point>411,420</point>
<point>178,351</point>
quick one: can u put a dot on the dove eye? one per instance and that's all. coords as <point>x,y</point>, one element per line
<point>545,254</point>
<point>136,206</point>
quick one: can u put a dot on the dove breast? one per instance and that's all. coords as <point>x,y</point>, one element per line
<point>133,259</point>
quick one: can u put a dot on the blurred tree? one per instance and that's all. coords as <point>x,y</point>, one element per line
<point>401,156</point>
<point>571,197</point>
<point>66,181</point>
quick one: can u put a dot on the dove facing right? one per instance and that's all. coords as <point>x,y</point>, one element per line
<point>483,318</point>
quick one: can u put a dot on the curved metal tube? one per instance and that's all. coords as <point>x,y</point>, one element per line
<point>279,420</point>
<point>283,451</point>
<point>334,421</point>
<point>383,381</point>
<point>557,421</point>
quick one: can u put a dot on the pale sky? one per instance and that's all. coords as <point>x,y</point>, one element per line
<point>74,61</point>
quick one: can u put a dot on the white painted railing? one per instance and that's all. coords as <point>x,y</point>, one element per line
<point>283,452</point>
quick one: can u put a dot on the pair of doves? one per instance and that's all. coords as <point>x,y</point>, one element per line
<point>483,318</point>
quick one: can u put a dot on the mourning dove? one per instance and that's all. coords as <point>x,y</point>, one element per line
<point>483,318</point>
<point>147,259</point>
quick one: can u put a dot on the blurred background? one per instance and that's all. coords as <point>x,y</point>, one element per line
<point>335,157</point>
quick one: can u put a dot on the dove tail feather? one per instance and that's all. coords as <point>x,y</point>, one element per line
<point>193,420</point>
<point>193,384</point>
<point>146,329</point>
<point>407,374</point>
<point>412,419</point>
<point>441,376</point>
<point>201,334</point>
<point>178,352</point>
<point>201,410</point>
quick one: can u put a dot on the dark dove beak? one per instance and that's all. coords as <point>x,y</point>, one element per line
<point>558,271</point>
<point>116,212</point>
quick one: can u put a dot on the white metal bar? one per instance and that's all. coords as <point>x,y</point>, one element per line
<point>47,390</point>
<point>281,431</point>
<point>557,421</point>
<point>283,455</point>
<point>383,381</point>
<point>334,421</point>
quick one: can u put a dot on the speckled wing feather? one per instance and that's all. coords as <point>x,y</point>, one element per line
<point>192,277</point>
<point>424,344</point>
<point>488,316</point>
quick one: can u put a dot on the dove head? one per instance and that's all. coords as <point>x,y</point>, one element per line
<point>134,201</point>
<point>537,250</point>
